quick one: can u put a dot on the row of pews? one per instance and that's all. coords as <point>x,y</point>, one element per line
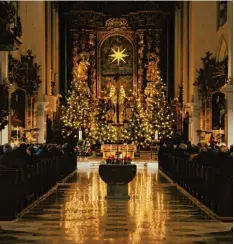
<point>208,176</point>
<point>19,187</point>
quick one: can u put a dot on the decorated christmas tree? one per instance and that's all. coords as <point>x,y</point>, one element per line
<point>101,131</point>
<point>77,114</point>
<point>138,129</point>
<point>158,112</point>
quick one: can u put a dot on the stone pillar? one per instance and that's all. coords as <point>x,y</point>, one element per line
<point>195,119</point>
<point>41,121</point>
<point>184,63</point>
<point>179,47</point>
<point>49,52</point>
<point>176,53</point>
<point>57,51</point>
<point>228,91</point>
<point>40,105</point>
<point>195,123</point>
<point>4,134</point>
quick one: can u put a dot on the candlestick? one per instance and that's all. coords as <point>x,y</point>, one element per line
<point>156,135</point>
<point>80,134</point>
<point>17,132</point>
<point>220,135</point>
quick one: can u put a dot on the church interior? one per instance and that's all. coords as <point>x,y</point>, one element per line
<point>116,122</point>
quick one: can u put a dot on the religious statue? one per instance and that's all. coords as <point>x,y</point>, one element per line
<point>141,39</point>
<point>81,70</point>
<point>92,40</point>
<point>149,41</point>
<point>110,114</point>
<point>127,112</point>
<point>221,107</point>
<point>218,110</point>
<point>151,71</point>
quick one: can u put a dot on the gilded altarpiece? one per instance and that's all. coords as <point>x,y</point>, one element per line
<point>93,48</point>
<point>113,80</point>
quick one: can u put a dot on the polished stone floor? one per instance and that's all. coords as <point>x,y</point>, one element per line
<point>77,212</point>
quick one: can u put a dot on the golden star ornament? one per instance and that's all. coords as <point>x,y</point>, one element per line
<point>118,55</point>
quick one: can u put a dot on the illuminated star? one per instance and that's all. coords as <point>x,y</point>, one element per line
<point>118,55</point>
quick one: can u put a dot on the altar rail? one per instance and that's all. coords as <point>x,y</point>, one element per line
<point>208,177</point>
<point>20,187</point>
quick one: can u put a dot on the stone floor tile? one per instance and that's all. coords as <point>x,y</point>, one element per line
<point>77,212</point>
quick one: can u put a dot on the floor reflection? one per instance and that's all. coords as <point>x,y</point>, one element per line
<point>77,212</point>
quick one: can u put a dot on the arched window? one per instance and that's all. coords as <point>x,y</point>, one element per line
<point>222,13</point>
<point>222,51</point>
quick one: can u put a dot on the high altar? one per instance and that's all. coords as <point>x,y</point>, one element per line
<point>125,150</point>
<point>114,57</point>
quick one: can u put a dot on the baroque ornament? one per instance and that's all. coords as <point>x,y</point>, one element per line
<point>116,23</point>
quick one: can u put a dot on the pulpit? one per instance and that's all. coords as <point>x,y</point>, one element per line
<point>125,150</point>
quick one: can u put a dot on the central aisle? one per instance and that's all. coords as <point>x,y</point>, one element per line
<point>77,212</point>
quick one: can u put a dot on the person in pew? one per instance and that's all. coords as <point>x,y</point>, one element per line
<point>7,148</point>
<point>17,158</point>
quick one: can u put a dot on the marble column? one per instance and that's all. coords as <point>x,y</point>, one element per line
<point>57,52</point>
<point>40,104</point>
<point>195,119</point>
<point>176,53</point>
<point>5,133</point>
<point>49,48</point>
<point>179,48</point>
<point>41,122</point>
<point>185,47</point>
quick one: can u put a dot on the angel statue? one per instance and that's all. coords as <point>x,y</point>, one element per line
<point>81,70</point>
<point>151,71</point>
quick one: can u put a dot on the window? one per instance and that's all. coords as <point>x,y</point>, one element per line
<point>222,13</point>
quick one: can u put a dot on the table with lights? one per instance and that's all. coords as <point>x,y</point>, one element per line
<point>126,150</point>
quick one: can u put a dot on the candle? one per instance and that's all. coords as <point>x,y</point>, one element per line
<point>127,149</point>
<point>17,132</point>
<point>156,135</point>
<point>220,135</point>
<point>80,134</point>
<point>110,149</point>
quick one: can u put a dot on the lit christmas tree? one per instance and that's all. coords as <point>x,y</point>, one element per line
<point>78,112</point>
<point>138,128</point>
<point>150,114</point>
<point>159,114</point>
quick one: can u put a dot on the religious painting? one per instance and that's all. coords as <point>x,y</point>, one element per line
<point>116,58</point>
<point>218,110</point>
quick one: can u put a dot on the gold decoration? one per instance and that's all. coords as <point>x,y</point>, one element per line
<point>116,23</point>
<point>118,55</point>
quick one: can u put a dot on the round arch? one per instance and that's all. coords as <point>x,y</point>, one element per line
<point>222,51</point>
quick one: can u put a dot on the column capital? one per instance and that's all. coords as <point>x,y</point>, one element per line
<point>227,89</point>
<point>41,105</point>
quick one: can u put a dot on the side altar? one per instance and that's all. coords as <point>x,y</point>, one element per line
<point>125,150</point>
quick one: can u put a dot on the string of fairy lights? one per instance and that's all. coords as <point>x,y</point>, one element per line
<point>150,113</point>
